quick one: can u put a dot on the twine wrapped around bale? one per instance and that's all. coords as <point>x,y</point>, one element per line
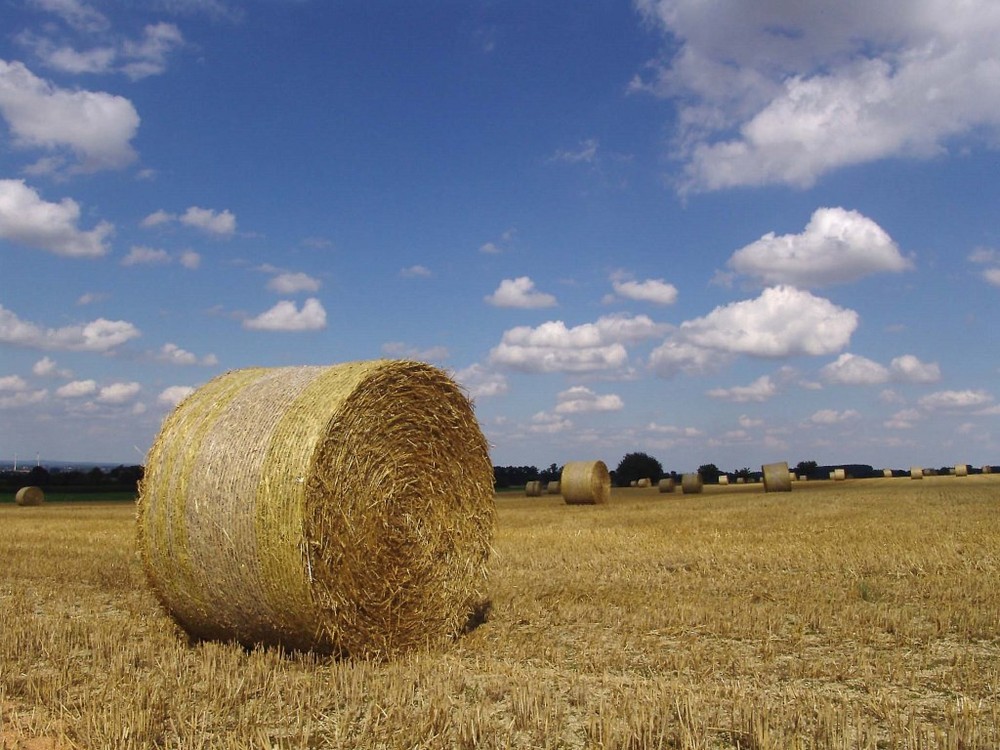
<point>776,477</point>
<point>691,484</point>
<point>29,496</point>
<point>667,484</point>
<point>533,488</point>
<point>585,483</point>
<point>345,509</point>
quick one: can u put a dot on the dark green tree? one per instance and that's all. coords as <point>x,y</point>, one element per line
<point>709,473</point>
<point>805,468</point>
<point>635,466</point>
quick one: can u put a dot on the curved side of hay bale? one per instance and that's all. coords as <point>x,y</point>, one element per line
<point>838,475</point>
<point>29,496</point>
<point>585,483</point>
<point>344,509</point>
<point>887,473</point>
<point>533,488</point>
<point>691,484</point>
<point>723,479</point>
<point>552,488</point>
<point>961,470</point>
<point>776,477</point>
<point>667,484</point>
<point>916,472</point>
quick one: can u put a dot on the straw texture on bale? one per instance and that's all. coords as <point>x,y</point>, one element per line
<point>667,484</point>
<point>585,483</point>
<point>916,472</point>
<point>961,470</point>
<point>533,488</point>
<point>776,477</point>
<point>691,484</point>
<point>552,488</point>
<point>29,496</point>
<point>345,509</point>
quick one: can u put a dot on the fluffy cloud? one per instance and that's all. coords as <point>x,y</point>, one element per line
<point>580,399</point>
<point>909,369</point>
<point>78,15</point>
<point>831,416</point>
<point>415,272</point>
<point>139,255</point>
<point>99,335</point>
<point>481,382</point>
<point>590,347</point>
<point>13,383</point>
<point>949,400</point>
<point>293,283</point>
<point>519,292</point>
<point>46,367</point>
<point>836,247</point>
<point>118,393</point>
<point>95,126</point>
<point>657,291</point>
<point>27,219</point>
<point>77,389</point>
<point>549,424</point>
<point>903,420</point>
<point>759,390</point>
<point>772,93</point>
<point>173,354</point>
<point>220,223</point>
<point>285,316</point>
<point>174,394</point>
<point>851,369</point>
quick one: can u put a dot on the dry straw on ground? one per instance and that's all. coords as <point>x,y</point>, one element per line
<point>586,483</point>
<point>691,484</point>
<point>776,477</point>
<point>344,509</point>
<point>29,496</point>
<point>533,488</point>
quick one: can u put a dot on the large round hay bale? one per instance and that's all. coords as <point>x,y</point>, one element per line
<point>691,484</point>
<point>29,496</point>
<point>838,475</point>
<point>533,488</point>
<point>961,470</point>
<point>667,484</point>
<point>776,477</point>
<point>916,472</point>
<point>345,509</point>
<point>585,483</point>
<point>723,479</point>
<point>552,488</point>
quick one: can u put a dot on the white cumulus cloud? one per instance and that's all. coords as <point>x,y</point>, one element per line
<point>219,223</point>
<point>909,369</point>
<point>77,389</point>
<point>581,399</point>
<point>519,292</point>
<point>762,389</point>
<point>174,394</point>
<point>852,369</point>
<point>832,416</point>
<point>481,382</point>
<point>293,283</point>
<point>837,246</point>
<point>27,219</point>
<point>118,393</point>
<point>140,255</point>
<point>657,291</point>
<point>948,400</point>
<point>286,316</point>
<point>99,335</point>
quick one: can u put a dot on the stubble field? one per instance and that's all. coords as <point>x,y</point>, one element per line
<point>845,614</point>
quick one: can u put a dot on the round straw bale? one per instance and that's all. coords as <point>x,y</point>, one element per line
<point>961,470</point>
<point>29,496</point>
<point>987,469</point>
<point>552,488</point>
<point>838,475</point>
<point>916,472</point>
<point>691,484</point>
<point>886,473</point>
<point>586,483</point>
<point>667,484</point>
<point>776,477</point>
<point>533,488</point>
<point>345,509</point>
<point>723,479</point>
<point>644,482</point>
<point>741,480</point>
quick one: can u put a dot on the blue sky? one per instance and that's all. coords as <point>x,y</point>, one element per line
<point>720,232</point>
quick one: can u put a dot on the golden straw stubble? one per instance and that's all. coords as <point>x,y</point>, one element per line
<point>345,509</point>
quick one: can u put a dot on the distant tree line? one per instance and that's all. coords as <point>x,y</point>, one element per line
<point>119,479</point>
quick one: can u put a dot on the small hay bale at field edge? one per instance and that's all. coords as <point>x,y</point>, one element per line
<point>533,488</point>
<point>887,473</point>
<point>691,484</point>
<point>585,483</point>
<point>29,496</point>
<point>644,482</point>
<point>776,477</point>
<point>667,484</point>
<point>916,472</point>
<point>961,470</point>
<point>723,479</point>
<point>345,510</point>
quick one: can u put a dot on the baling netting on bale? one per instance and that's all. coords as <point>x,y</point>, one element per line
<point>345,509</point>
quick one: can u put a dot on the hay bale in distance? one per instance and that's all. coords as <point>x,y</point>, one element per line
<point>586,483</point>
<point>961,470</point>
<point>723,479</point>
<point>667,484</point>
<point>838,475</point>
<point>533,488</point>
<point>916,472</point>
<point>691,484</point>
<point>552,488</point>
<point>887,473</point>
<point>987,469</point>
<point>29,496</point>
<point>644,482</point>
<point>776,477</point>
<point>346,509</point>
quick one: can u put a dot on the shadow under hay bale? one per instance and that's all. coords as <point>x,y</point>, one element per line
<point>346,509</point>
<point>29,496</point>
<point>585,483</point>
<point>776,477</point>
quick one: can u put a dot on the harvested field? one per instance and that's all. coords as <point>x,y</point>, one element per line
<point>852,614</point>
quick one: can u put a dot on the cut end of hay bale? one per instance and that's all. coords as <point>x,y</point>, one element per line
<point>776,477</point>
<point>691,484</point>
<point>585,483</point>
<point>29,496</point>
<point>345,509</point>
